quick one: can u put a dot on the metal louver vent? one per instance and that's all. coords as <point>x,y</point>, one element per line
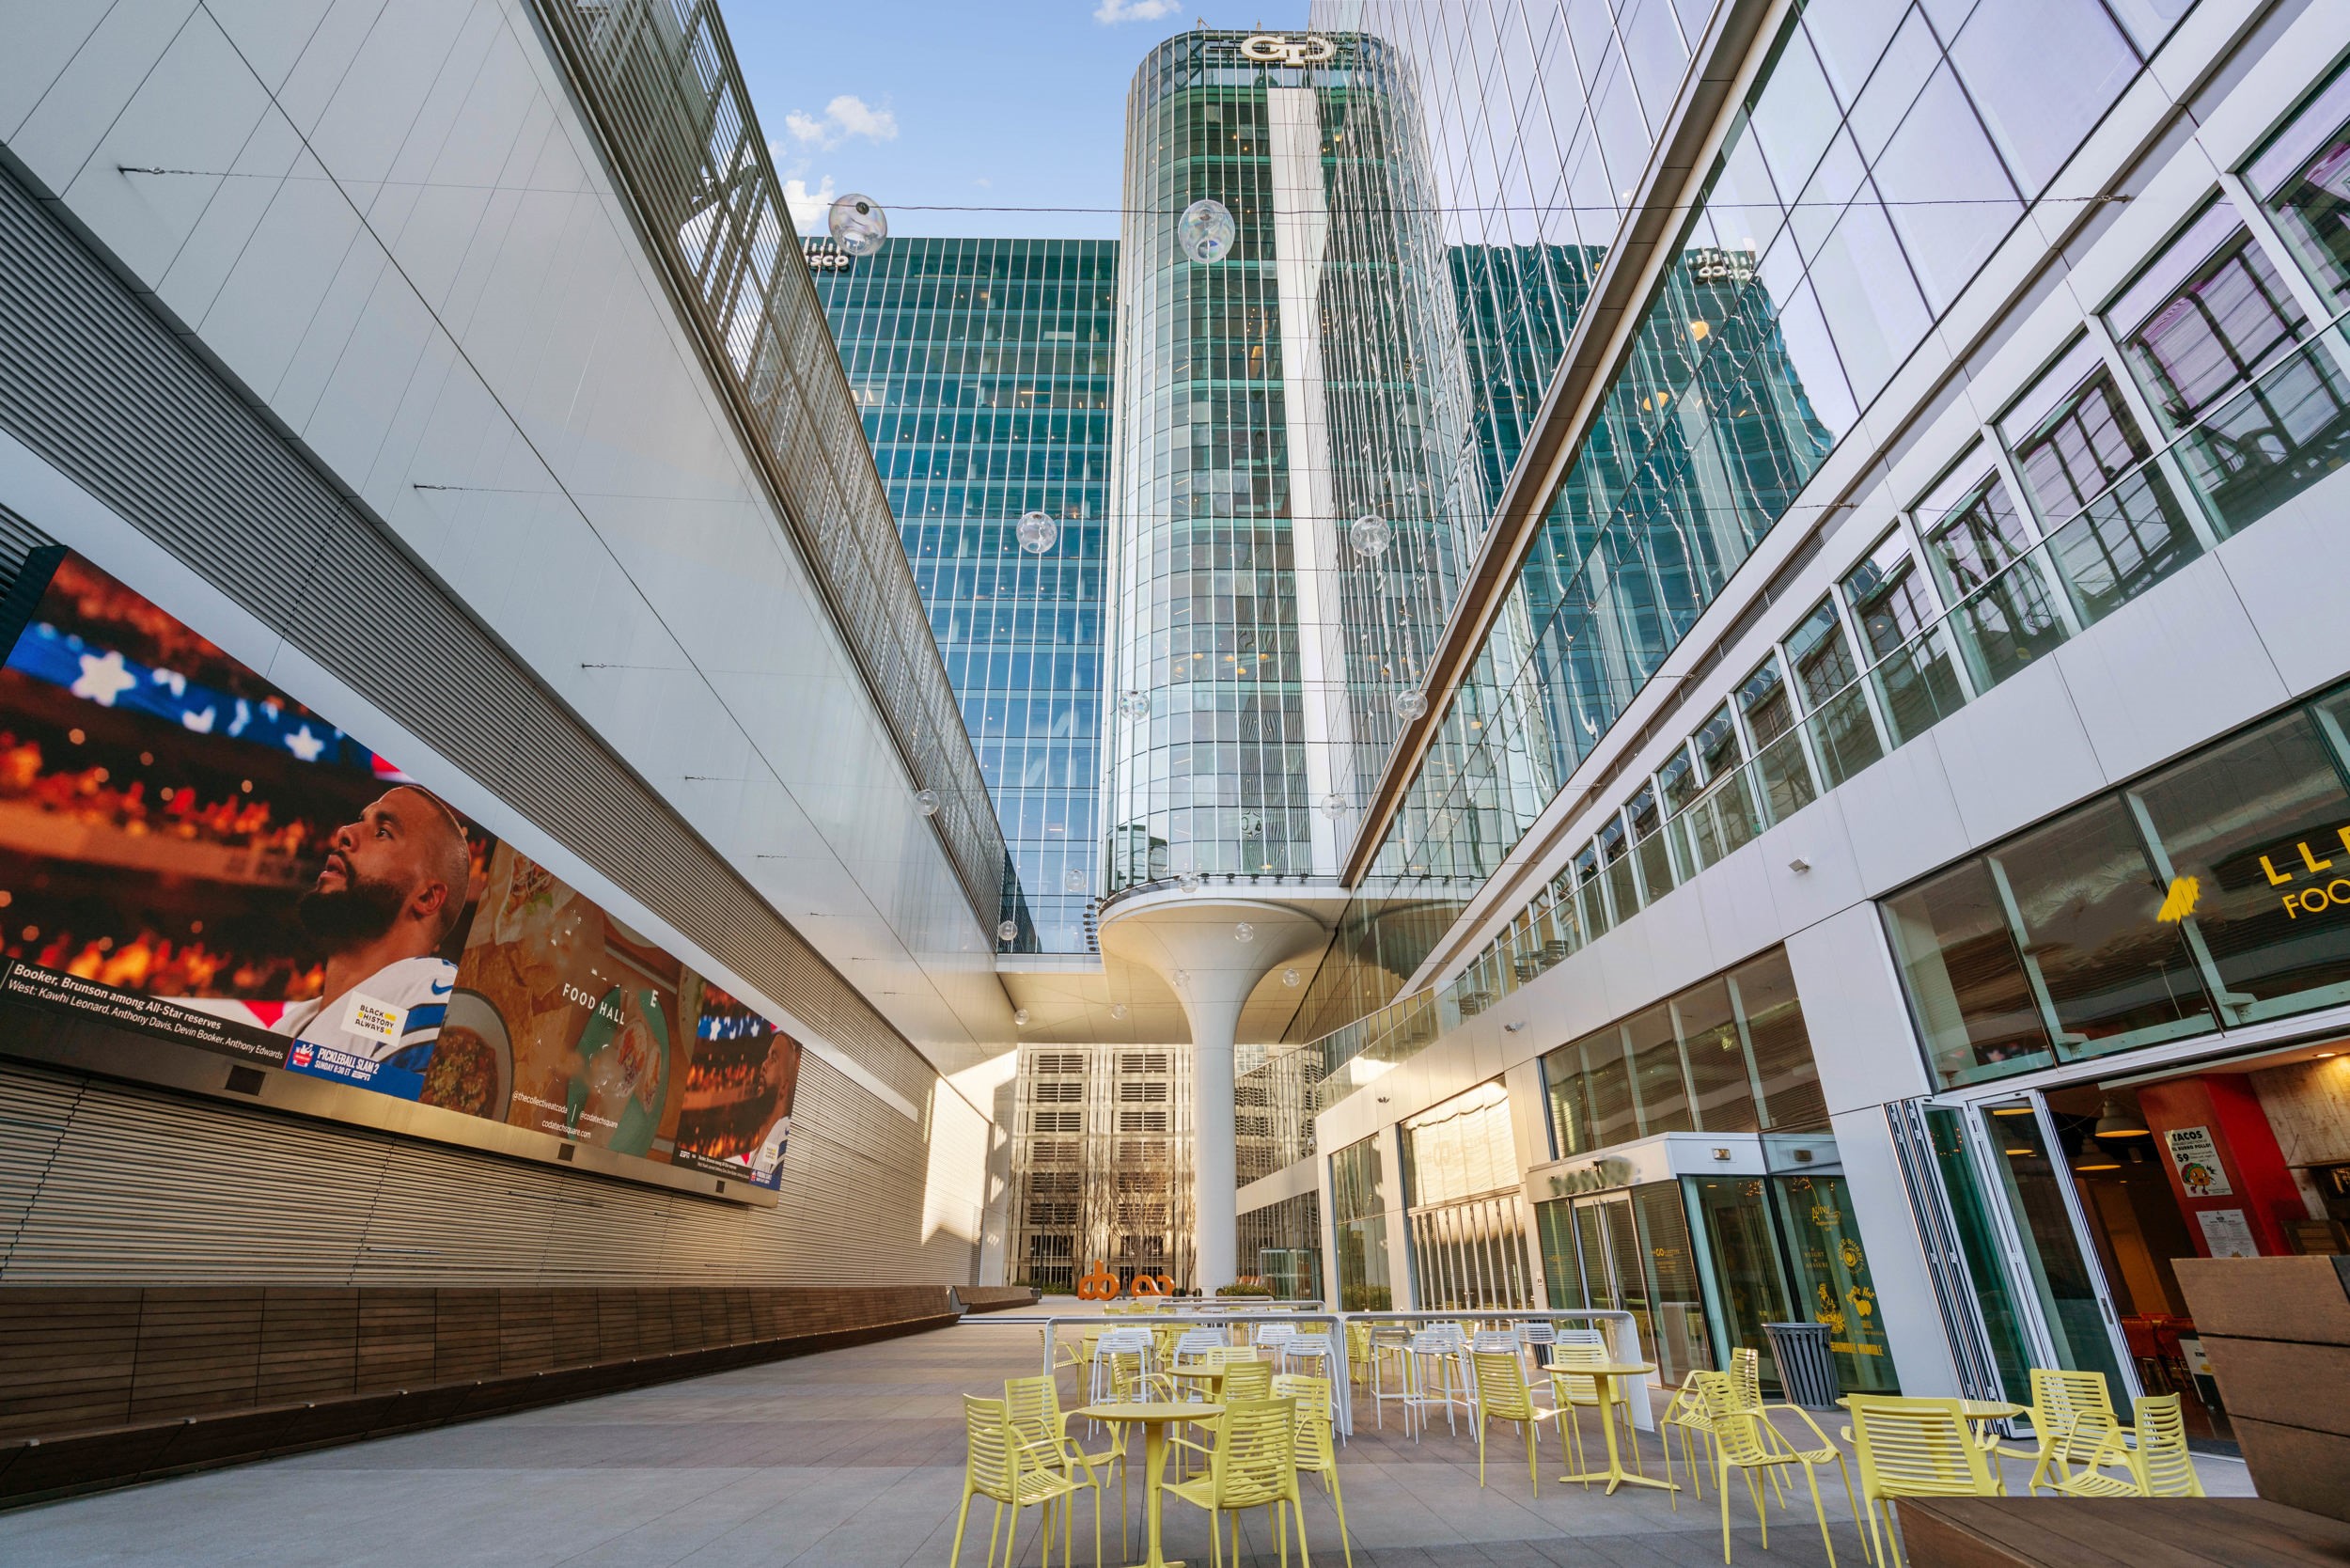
<point>99,388</point>
<point>248,1197</point>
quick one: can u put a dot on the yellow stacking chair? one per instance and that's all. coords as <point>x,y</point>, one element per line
<point>1502,1396</point>
<point>1744,1440</point>
<point>1254,1465</point>
<point>1316,1449</point>
<point>1687,1414</point>
<point>1039,1427</point>
<point>1915,1448</point>
<point>1358,1352</point>
<point>999,1468</point>
<point>2156,1465</point>
<point>2072,1415</point>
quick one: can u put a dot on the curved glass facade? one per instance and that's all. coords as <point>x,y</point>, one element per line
<point>1267,400</point>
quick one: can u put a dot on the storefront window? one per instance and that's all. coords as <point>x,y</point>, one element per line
<point>1656,1073</point>
<point>2216,892</point>
<point>2061,1273</point>
<point>1749,1284</point>
<point>2233,822</point>
<point>1832,1278</point>
<point>2085,896</point>
<point>1786,1076</point>
<point>1461,1181</point>
<point>1718,1073</point>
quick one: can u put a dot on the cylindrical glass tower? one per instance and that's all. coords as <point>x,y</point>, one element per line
<point>1265,400</point>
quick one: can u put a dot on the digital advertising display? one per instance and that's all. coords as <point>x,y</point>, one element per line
<point>188,854</point>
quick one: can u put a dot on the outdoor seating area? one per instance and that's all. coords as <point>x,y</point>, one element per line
<point>958,1447</point>
<point>1239,1414</point>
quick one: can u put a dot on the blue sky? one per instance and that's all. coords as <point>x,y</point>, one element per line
<point>984,102</point>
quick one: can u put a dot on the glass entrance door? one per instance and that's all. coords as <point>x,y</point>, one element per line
<point>2043,1237</point>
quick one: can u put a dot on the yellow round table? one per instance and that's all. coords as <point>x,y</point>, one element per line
<point>1603,1375</point>
<point>1154,1420</point>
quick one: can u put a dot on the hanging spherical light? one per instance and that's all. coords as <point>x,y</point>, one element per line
<point>1036,532</point>
<point>1118,1010</point>
<point>1188,882</point>
<point>1334,805</point>
<point>1206,229</point>
<point>857,225</point>
<point>1073,880</point>
<point>1371,534</point>
<point>1409,704</point>
<point>1007,931</point>
<point>1243,933</point>
<point>1020,1016</point>
<point>1291,976</point>
<point>1136,704</point>
<point>926,802</point>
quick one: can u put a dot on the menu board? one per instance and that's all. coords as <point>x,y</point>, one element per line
<point>190,855</point>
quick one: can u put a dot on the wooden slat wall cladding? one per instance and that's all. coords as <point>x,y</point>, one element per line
<point>111,1384</point>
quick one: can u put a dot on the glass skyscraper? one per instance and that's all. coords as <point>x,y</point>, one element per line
<point>1267,400</point>
<point>982,369</point>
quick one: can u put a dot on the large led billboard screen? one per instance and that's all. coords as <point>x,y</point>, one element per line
<point>189,854</point>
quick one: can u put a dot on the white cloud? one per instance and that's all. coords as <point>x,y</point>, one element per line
<point>1110,12</point>
<point>809,207</point>
<point>848,116</point>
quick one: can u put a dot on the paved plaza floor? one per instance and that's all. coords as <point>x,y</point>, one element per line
<point>852,1457</point>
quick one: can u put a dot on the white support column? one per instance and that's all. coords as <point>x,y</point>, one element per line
<point>1193,942</point>
<point>1868,1056</point>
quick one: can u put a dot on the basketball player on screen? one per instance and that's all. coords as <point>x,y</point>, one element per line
<point>392,889</point>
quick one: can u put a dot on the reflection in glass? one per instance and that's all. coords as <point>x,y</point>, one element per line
<point>1749,1283</point>
<point>1964,974</point>
<point>1719,1077</point>
<point>2061,1273</point>
<point>1889,598</point>
<point>2115,528</point>
<point>2303,178</point>
<point>1842,731</point>
<point>2085,897</point>
<point>1971,1215</point>
<point>2204,320</point>
<point>1782,772</point>
<point>1656,1073</point>
<point>1788,1077</point>
<point>2006,616</point>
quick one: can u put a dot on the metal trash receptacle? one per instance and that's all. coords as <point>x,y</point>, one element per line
<point>1806,1369</point>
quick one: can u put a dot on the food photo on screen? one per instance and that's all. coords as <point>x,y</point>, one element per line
<point>737,1106</point>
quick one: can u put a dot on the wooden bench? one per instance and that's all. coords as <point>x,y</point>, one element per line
<point>2118,1532</point>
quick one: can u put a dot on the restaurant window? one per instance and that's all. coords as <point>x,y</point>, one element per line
<point>1462,1182</point>
<point>1720,1083</point>
<point>2204,894</point>
<point>1787,1077</point>
<point>1656,1075</point>
<point>2113,525</point>
<point>2202,327</point>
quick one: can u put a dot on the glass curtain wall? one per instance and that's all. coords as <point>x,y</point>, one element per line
<point>1280,1244</point>
<point>982,371</point>
<point>1465,1197</point>
<point>2014,540</point>
<point>1921,134</point>
<point>2205,895</point>
<point>1359,1217</point>
<point>1729,1055</point>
